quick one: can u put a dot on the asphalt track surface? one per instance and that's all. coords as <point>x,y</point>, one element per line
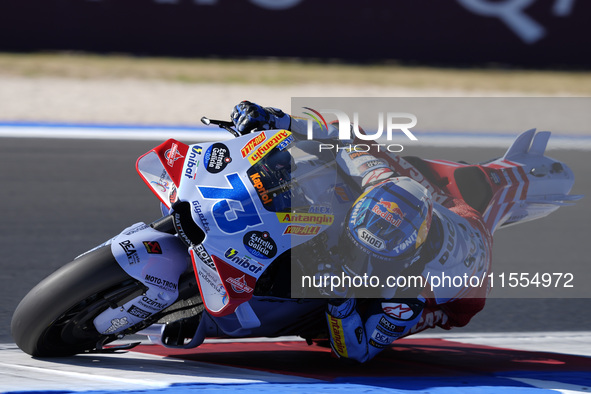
<point>61,197</point>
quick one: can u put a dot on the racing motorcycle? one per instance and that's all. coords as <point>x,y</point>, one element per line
<point>235,214</point>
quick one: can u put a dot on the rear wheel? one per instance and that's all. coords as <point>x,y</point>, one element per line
<point>55,318</point>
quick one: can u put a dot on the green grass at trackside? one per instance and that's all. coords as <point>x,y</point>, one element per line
<point>292,72</point>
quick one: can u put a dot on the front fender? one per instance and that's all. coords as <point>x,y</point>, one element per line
<point>155,259</point>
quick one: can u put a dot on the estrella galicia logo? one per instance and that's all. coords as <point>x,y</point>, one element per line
<point>260,244</point>
<point>217,158</point>
<point>236,210</point>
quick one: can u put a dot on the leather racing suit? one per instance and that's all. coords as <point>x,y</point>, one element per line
<point>453,264</point>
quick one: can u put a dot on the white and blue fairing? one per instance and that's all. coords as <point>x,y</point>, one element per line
<point>245,232</point>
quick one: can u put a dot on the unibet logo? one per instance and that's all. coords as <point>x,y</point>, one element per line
<point>245,262</point>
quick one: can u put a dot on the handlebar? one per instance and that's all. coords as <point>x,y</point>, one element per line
<point>222,124</point>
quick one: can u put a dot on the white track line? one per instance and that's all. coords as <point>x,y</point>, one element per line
<point>205,134</point>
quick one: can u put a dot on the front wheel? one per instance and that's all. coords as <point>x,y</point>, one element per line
<point>55,317</point>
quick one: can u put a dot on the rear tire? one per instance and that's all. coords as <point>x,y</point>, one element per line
<point>55,317</point>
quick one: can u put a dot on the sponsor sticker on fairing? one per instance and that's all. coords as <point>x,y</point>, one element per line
<point>153,247</point>
<point>138,312</point>
<point>342,193</point>
<point>172,154</point>
<point>244,262</point>
<point>285,143</point>
<point>253,143</point>
<point>116,324</point>
<point>260,244</point>
<point>130,252</point>
<point>266,198</point>
<point>199,212</point>
<point>192,163</point>
<point>306,218</point>
<point>239,285</point>
<point>217,158</point>
<point>154,305</point>
<point>204,256</point>
<point>161,283</point>
<point>293,229</point>
<point>323,209</point>
<point>268,145</point>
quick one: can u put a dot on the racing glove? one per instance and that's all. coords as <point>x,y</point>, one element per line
<point>249,116</point>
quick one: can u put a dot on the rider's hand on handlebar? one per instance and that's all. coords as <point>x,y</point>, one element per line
<point>249,116</point>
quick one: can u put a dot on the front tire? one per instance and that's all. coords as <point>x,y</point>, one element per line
<point>55,317</point>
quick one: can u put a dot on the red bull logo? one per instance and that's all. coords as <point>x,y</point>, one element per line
<point>393,213</point>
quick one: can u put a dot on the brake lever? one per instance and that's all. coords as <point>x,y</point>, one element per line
<point>222,124</point>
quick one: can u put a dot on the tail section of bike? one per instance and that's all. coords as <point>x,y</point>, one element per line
<point>526,184</point>
<point>520,186</point>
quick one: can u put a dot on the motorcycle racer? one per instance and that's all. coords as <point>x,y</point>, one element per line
<point>394,228</point>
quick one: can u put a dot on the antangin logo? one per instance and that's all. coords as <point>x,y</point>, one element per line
<point>306,218</point>
<point>268,145</point>
<point>338,336</point>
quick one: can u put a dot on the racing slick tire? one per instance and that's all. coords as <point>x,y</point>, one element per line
<point>56,317</point>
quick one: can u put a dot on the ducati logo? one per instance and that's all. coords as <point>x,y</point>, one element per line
<point>172,155</point>
<point>239,285</point>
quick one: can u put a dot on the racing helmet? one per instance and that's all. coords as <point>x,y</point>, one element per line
<point>386,227</point>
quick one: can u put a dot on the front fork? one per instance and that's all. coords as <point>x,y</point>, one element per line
<point>155,259</point>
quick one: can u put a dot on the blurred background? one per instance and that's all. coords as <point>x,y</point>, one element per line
<point>169,62</point>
